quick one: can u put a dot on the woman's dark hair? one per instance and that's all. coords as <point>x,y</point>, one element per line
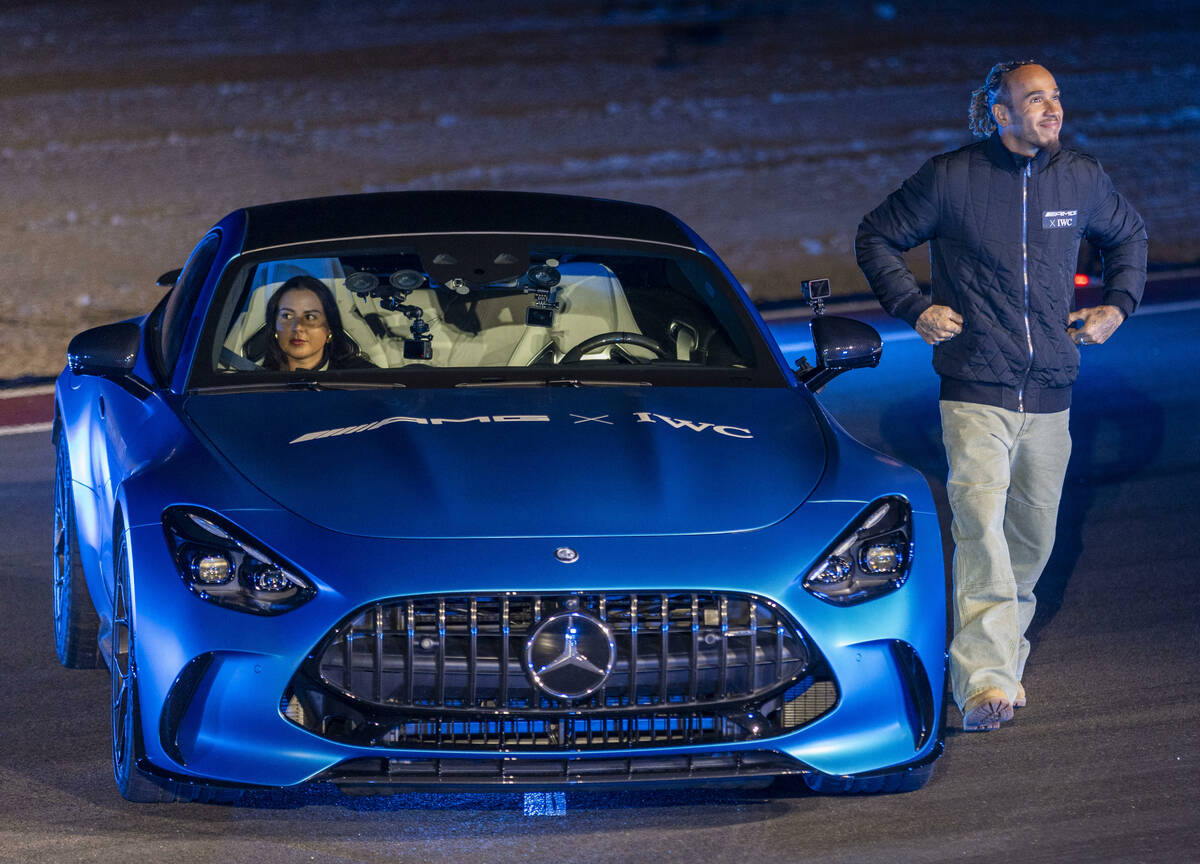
<point>994,89</point>
<point>340,349</point>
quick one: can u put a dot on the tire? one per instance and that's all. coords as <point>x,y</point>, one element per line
<point>908,780</point>
<point>76,624</point>
<point>134,782</point>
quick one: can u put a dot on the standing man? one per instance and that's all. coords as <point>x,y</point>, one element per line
<point>1004,217</point>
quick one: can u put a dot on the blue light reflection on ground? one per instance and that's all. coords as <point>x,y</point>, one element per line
<point>507,803</point>
<point>545,804</point>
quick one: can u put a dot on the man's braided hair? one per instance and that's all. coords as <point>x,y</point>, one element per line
<point>994,89</point>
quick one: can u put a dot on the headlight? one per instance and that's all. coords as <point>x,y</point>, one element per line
<point>223,565</point>
<point>872,557</point>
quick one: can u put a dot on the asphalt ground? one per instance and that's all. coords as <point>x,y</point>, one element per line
<point>1101,766</point>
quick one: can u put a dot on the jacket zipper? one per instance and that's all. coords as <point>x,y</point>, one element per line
<point>1025,276</point>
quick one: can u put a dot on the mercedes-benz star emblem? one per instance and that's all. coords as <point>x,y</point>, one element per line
<point>570,655</point>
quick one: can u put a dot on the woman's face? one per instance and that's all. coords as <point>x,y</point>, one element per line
<point>301,329</point>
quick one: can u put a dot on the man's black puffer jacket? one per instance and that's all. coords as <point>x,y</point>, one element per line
<point>1014,351</point>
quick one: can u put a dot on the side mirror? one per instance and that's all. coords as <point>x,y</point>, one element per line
<point>109,351</point>
<point>842,344</point>
<point>169,278</point>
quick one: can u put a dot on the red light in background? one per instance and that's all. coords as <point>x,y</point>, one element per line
<point>1081,280</point>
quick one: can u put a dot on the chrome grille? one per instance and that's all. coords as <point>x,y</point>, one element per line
<point>449,671</point>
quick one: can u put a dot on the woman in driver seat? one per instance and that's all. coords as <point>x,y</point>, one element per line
<point>307,330</point>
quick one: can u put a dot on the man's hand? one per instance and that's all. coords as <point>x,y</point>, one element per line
<point>1098,323</point>
<point>939,323</point>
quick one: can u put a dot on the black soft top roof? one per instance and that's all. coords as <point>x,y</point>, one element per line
<point>383,213</point>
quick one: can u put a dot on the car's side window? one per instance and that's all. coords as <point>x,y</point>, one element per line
<point>182,301</point>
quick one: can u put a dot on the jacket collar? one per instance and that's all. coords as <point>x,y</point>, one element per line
<point>1004,158</point>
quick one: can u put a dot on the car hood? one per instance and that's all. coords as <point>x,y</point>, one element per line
<point>523,461</point>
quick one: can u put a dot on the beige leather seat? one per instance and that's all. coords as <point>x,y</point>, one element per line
<point>591,302</point>
<point>267,280</point>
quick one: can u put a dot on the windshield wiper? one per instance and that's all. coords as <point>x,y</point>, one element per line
<point>502,382</point>
<point>299,384</point>
<point>552,382</point>
<point>327,384</point>
<point>594,382</point>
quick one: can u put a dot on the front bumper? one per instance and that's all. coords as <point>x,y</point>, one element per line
<point>211,680</point>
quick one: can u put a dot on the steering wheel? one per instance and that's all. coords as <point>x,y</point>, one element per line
<point>616,337</point>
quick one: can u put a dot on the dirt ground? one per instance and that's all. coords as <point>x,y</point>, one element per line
<point>770,126</point>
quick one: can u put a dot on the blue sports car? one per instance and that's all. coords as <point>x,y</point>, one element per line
<point>485,490</point>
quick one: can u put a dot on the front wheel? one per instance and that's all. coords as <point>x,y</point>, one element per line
<point>75,621</point>
<point>135,783</point>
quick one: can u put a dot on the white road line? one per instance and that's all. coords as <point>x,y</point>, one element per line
<point>18,392</point>
<point>28,427</point>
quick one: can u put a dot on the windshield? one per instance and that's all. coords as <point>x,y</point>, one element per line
<point>481,308</point>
